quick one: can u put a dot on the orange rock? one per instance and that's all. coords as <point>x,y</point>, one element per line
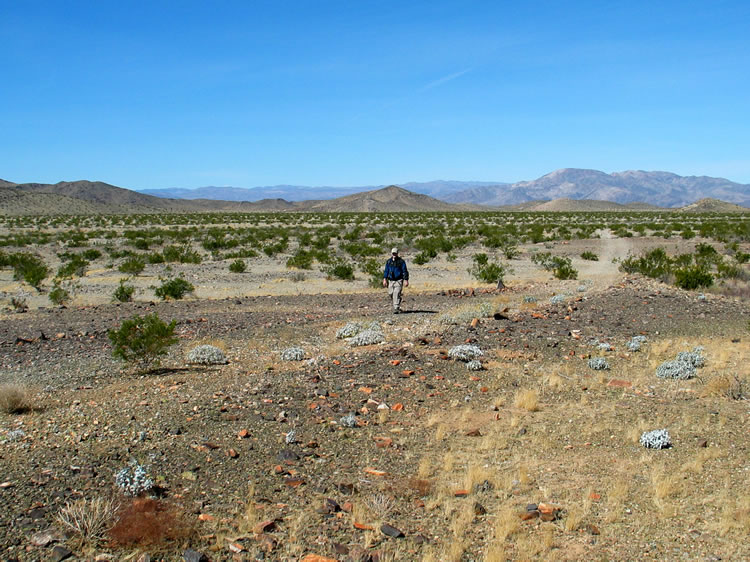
<point>407,373</point>
<point>365,389</point>
<point>398,407</point>
<point>205,517</point>
<point>316,558</point>
<point>243,434</point>
<point>484,389</point>
<point>347,506</point>
<point>461,493</point>
<point>375,472</point>
<point>474,378</point>
<point>395,362</point>
<point>294,482</point>
<point>264,526</point>
<point>231,453</point>
<point>528,515</point>
<point>336,362</point>
<point>594,496</point>
<point>474,322</point>
<point>383,442</point>
<point>362,526</point>
<point>620,383</point>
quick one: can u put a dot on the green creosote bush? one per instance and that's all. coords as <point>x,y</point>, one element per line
<point>654,263</point>
<point>693,277</point>
<point>27,267</point>
<point>589,256</point>
<point>340,269</point>
<point>302,259</point>
<point>142,339</point>
<point>375,270</point>
<point>421,258</point>
<point>132,266</point>
<point>238,266</point>
<point>76,266</point>
<point>563,269</point>
<point>487,272</point>
<point>58,295</point>
<point>174,289</point>
<point>123,293</point>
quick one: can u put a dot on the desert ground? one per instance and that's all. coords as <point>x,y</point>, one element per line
<point>389,451</point>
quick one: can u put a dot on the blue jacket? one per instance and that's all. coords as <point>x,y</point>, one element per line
<point>395,269</point>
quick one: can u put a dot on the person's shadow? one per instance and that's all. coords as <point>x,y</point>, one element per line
<point>419,312</point>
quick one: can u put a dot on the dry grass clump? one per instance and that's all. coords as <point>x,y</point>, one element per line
<point>726,386</point>
<point>527,399</point>
<point>149,522</point>
<point>90,520</point>
<point>15,399</point>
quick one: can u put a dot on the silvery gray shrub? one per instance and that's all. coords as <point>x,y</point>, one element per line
<point>293,354</point>
<point>349,420</point>
<point>134,480</point>
<point>349,330</point>
<point>683,366</point>
<point>635,343</point>
<point>656,439</point>
<point>464,352</point>
<point>206,355</point>
<point>598,364</point>
<point>557,299</point>
<point>368,337</point>
<point>474,365</point>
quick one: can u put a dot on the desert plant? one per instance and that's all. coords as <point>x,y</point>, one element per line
<point>293,354</point>
<point>133,480</point>
<point>238,266</point>
<point>487,272</point>
<point>132,266</point>
<point>693,277</point>
<point>124,292</point>
<point>174,289</point>
<point>589,256</point>
<point>58,295</point>
<point>206,355</point>
<point>340,269</point>
<point>29,268</point>
<point>89,519</point>
<point>14,399</point>
<point>142,340</point>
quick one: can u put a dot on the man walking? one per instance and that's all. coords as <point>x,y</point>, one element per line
<point>395,277</point>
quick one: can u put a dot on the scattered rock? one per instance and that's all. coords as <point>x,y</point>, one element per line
<point>191,555</point>
<point>59,552</point>
<point>390,531</point>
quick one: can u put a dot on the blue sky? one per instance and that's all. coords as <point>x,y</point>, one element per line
<point>248,93</point>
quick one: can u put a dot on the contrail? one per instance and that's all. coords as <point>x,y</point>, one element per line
<point>445,79</point>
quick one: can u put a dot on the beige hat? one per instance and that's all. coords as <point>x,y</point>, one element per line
<point>394,250</point>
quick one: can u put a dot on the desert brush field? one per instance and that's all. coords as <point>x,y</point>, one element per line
<point>235,387</point>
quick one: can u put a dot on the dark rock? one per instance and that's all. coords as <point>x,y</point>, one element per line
<point>391,531</point>
<point>531,507</point>
<point>287,455</point>
<point>59,552</point>
<point>191,555</point>
<point>175,431</point>
<point>479,509</point>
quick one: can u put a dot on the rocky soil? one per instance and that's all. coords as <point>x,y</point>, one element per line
<point>254,460</point>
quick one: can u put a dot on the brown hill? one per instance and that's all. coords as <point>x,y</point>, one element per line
<point>387,199</point>
<point>709,205</point>
<point>566,205</point>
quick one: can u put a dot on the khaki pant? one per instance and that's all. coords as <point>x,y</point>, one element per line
<point>395,288</point>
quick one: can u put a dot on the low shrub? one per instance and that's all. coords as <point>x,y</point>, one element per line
<point>29,268</point>
<point>465,352</point>
<point>691,278</point>
<point>206,355</point>
<point>293,354</point>
<point>174,289</point>
<point>132,266</point>
<point>340,270</point>
<point>487,272</point>
<point>149,522</point>
<point>58,295</point>
<point>142,340</point>
<point>238,266</point>
<point>124,292</point>
<point>589,256</point>
<point>15,399</point>
<point>91,519</point>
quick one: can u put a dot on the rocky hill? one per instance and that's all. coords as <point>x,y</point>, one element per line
<point>662,189</point>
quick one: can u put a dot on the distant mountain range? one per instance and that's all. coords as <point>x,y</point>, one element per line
<point>662,189</point>
<point>439,189</point>
<point>563,190</point>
